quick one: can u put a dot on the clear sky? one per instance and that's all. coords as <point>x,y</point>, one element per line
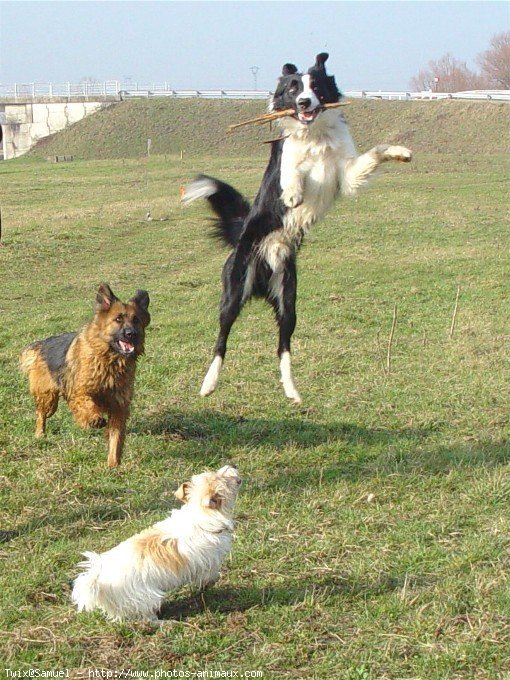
<point>210,45</point>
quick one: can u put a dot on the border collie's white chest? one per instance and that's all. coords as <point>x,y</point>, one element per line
<point>315,172</point>
<point>311,168</point>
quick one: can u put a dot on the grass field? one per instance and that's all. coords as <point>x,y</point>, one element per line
<point>373,525</point>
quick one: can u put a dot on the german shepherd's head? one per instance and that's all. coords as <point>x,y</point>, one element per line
<point>122,325</point>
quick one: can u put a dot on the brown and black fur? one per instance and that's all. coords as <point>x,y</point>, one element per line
<point>93,370</point>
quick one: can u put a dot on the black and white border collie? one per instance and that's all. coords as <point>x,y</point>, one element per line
<point>314,161</point>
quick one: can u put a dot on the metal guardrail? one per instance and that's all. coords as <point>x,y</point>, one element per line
<point>428,95</point>
<point>196,94</point>
<point>113,88</point>
<point>49,90</point>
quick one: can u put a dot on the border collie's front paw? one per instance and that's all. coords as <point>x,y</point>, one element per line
<point>292,197</point>
<point>399,153</point>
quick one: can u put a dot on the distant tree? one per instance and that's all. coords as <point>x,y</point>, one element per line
<point>447,75</point>
<point>494,63</point>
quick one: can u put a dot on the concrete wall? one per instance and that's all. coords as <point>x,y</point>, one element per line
<point>24,124</point>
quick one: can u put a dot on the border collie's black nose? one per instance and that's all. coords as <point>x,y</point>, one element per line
<point>304,103</point>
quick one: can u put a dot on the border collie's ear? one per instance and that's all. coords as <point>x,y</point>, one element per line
<point>182,492</point>
<point>105,298</point>
<point>289,69</point>
<point>329,91</point>
<point>320,60</point>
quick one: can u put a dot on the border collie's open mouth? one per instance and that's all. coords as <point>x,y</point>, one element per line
<point>307,117</point>
<point>124,347</point>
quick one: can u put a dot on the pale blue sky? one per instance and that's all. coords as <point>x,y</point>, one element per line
<point>201,45</point>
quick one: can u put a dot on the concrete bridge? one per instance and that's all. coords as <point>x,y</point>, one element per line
<point>24,121</point>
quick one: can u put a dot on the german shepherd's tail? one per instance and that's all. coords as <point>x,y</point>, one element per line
<point>28,358</point>
<point>229,205</point>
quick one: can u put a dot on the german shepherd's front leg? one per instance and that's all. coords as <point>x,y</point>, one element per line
<point>86,412</point>
<point>116,432</point>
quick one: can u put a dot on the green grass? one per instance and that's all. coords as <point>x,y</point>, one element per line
<point>372,537</point>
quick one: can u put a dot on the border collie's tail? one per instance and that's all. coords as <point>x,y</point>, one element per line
<point>228,204</point>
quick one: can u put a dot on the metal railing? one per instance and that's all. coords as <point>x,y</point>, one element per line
<point>109,88</point>
<point>428,95</point>
<point>115,89</point>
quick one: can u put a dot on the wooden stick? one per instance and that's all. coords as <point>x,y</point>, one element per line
<point>335,105</point>
<point>379,351</point>
<point>390,340</point>
<point>264,118</point>
<point>454,317</point>
<point>275,115</point>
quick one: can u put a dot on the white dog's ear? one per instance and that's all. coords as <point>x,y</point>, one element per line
<point>182,492</point>
<point>213,501</point>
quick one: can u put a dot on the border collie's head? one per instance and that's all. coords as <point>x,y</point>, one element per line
<point>306,93</point>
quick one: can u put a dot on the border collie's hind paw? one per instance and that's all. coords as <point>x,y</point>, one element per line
<point>287,380</point>
<point>211,379</point>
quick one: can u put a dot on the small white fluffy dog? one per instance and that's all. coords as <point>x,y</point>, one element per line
<point>131,580</point>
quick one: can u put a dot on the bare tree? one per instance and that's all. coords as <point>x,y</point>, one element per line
<point>494,63</point>
<point>447,74</point>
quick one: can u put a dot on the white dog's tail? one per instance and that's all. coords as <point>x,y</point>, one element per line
<point>86,586</point>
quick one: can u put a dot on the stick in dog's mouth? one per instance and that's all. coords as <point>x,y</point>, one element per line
<point>275,115</point>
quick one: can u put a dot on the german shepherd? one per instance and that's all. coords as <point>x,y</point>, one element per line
<point>93,370</point>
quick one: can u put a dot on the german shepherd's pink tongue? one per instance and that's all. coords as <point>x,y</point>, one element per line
<point>126,347</point>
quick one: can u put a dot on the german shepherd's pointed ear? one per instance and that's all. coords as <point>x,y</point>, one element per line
<point>141,298</point>
<point>182,492</point>
<point>105,298</point>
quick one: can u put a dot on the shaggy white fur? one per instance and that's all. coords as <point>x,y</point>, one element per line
<point>131,580</point>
